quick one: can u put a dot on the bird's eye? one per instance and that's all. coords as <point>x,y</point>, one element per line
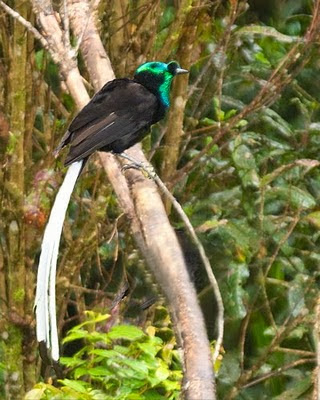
<point>153,65</point>
<point>172,67</point>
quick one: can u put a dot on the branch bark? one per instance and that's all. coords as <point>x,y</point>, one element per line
<point>140,201</point>
<point>20,373</point>
<point>172,139</point>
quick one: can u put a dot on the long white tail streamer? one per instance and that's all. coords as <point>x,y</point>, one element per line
<point>45,302</point>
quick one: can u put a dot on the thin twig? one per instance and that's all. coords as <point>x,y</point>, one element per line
<point>205,260</point>
<point>279,371</point>
<point>297,352</point>
<point>281,243</point>
<point>26,24</point>
<point>80,38</point>
<point>149,170</point>
<point>66,24</point>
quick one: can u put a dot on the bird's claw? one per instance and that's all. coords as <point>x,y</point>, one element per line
<point>147,170</point>
<point>125,167</point>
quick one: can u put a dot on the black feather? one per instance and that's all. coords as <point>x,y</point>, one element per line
<point>116,118</point>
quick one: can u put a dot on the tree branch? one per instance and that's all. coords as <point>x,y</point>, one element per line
<point>26,24</point>
<point>206,263</point>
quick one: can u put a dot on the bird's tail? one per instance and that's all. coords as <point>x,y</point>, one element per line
<point>45,302</point>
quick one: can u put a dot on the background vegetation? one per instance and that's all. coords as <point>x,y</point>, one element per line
<point>242,159</point>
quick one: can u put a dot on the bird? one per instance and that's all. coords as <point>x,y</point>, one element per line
<point>118,116</point>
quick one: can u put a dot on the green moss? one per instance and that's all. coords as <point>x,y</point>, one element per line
<point>19,295</point>
<point>11,349</point>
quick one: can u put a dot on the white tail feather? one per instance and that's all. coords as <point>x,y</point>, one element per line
<point>45,302</point>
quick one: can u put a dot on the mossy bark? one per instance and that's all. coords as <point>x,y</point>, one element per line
<point>174,132</point>
<point>15,276</point>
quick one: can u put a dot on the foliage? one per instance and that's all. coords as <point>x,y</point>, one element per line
<point>256,195</point>
<point>122,363</point>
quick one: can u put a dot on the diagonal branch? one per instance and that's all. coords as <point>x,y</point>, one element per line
<point>206,263</point>
<point>26,24</point>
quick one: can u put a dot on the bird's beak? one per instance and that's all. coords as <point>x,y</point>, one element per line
<point>181,71</point>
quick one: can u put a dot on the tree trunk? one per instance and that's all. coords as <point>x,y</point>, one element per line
<point>18,282</point>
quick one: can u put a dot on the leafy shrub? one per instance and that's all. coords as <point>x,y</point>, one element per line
<point>123,363</point>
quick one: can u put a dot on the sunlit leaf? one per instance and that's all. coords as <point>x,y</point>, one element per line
<point>296,197</point>
<point>314,218</point>
<point>79,386</point>
<point>35,394</point>
<point>234,294</point>
<point>128,332</point>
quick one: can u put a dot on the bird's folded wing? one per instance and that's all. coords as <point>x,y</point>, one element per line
<point>103,136</point>
<point>120,108</point>
<point>102,103</point>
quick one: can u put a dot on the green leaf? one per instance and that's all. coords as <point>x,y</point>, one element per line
<point>39,58</point>
<point>243,158</point>
<point>274,122</point>
<point>162,372</point>
<point>230,369</point>
<point>75,334</point>
<point>250,178</point>
<point>296,294</point>
<point>140,367</point>
<point>93,318</point>
<point>152,395</point>
<point>121,349</point>
<point>242,234</point>
<point>171,385</point>
<point>296,197</point>
<point>128,332</point>
<point>99,371</point>
<point>232,287</point>
<point>208,122</point>
<point>81,371</point>
<point>35,394</point>
<point>314,218</point>
<point>299,388</point>
<point>71,361</point>
<point>78,386</point>
<point>105,353</point>
<point>261,58</point>
<point>149,348</point>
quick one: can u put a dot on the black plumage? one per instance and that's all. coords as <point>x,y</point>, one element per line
<point>121,113</point>
<point>116,118</point>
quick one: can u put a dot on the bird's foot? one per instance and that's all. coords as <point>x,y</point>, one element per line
<point>147,169</point>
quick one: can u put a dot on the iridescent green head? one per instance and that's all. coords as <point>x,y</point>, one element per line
<point>157,77</point>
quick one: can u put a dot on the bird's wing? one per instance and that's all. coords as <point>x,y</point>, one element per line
<point>100,103</point>
<point>106,133</point>
<point>119,106</point>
